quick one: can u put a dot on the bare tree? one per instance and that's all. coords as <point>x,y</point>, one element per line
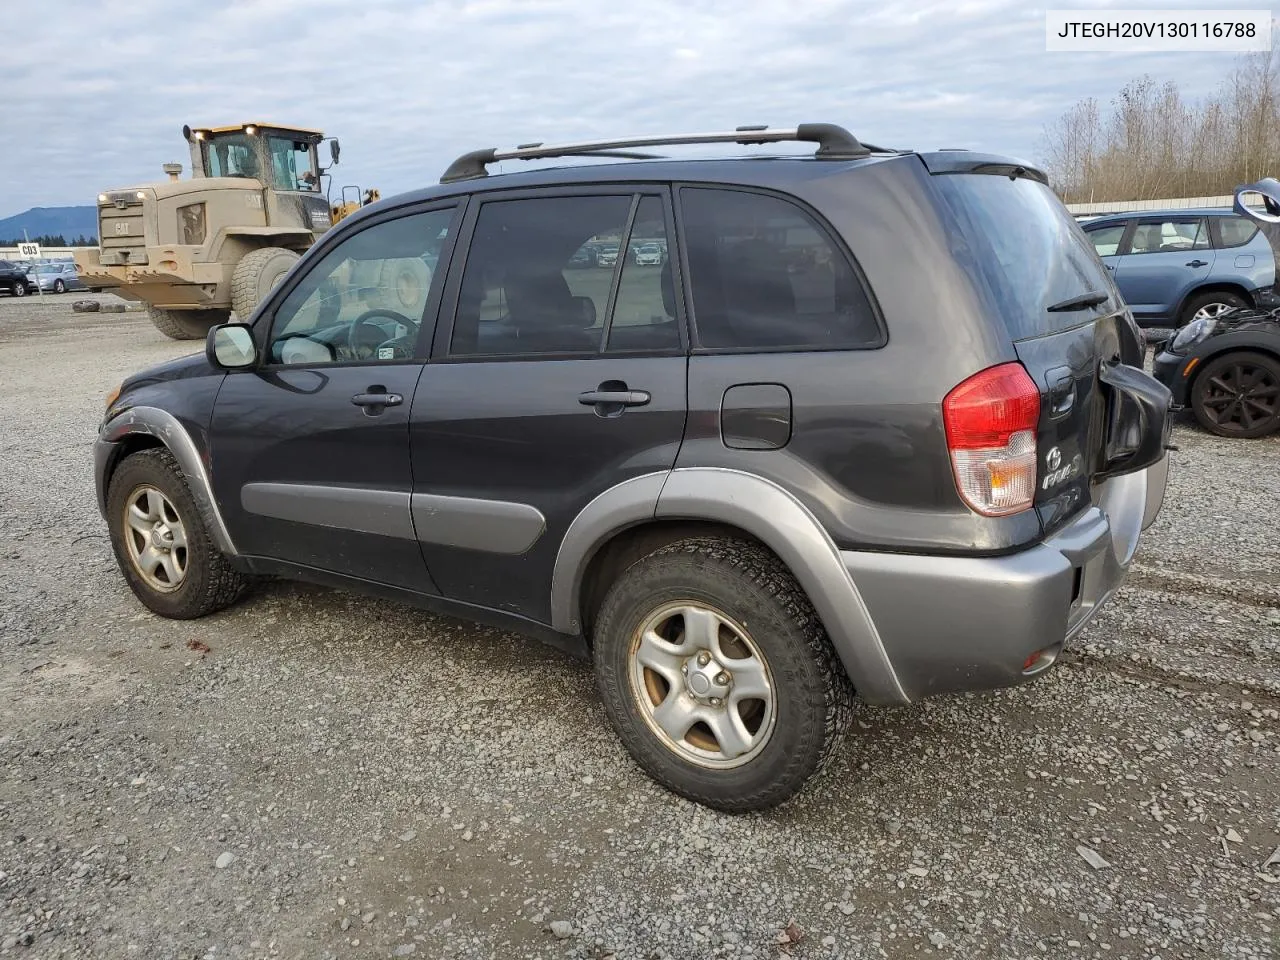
<point>1154,144</point>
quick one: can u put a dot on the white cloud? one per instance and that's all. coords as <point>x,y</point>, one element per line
<point>409,84</point>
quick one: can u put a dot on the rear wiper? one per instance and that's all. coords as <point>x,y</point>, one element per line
<point>1090,299</point>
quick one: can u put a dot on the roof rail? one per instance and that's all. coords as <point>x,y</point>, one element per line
<point>834,143</point>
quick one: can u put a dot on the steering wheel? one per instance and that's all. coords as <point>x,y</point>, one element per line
<point>365,347</point>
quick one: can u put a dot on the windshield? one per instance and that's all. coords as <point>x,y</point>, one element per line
<point>1020,241</point>
<point>232,155</point>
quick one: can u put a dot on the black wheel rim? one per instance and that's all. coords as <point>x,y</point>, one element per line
<point>1242,397</point>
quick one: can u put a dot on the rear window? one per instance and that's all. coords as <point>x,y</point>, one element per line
<point>1020,242</point>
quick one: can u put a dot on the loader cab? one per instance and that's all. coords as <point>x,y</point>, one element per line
<point>284,160</point>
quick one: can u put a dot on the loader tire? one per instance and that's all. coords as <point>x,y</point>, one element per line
<point>186,324</point>
<point>255,276</point>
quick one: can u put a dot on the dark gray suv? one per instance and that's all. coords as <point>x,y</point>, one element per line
<point>877,424</point>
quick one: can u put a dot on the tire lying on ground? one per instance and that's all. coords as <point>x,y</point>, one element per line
<point>86,306</point>
<point>255,275</point>
<point>186,324</point>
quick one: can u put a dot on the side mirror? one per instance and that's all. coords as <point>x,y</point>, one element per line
<point>231,347</point>
<point>334,149</point>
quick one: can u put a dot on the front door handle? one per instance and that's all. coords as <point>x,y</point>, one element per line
<point>377,399</point>
<point>625,398</point>
<point>1197,263</point>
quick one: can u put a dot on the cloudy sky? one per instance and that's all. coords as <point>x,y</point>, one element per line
<point>96,93</point>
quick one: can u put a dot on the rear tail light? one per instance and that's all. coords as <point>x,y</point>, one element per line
<point>990,421</point>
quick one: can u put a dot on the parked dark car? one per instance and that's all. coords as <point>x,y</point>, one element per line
<point>13,277</point>
<point>1176,266</point>
<point>916,461</point>
<point>1227,370</point>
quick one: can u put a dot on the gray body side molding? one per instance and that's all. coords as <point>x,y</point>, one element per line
<point>630,502</point>
<point>165,427</point>
<point>381,512</point>
<point>494,526</point>
<point>786,526</point>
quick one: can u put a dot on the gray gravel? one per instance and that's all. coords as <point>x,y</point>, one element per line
<point>343,777</point>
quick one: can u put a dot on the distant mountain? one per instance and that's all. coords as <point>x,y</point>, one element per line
<point>69,222</point>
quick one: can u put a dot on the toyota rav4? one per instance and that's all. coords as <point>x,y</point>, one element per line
<point>877,426</point>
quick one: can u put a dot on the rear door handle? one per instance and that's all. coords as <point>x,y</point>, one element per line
<point>1197,263</point>
<point>377,399</point>
<point>626,398</point>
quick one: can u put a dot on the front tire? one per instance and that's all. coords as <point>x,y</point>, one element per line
<point>256,275</point>
<point>1237,395</point>
<point>59,287</point>
<point>186,324</point>
<point>717,674</point>
<point>161,544</point>
<point>1210,305</point>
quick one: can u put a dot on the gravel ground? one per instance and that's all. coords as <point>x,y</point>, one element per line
<point>315,774</point>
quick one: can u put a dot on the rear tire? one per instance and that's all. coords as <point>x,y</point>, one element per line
<point>19,289</point>
<point>1210,304</point>
<point>256,275</point>
<point>59,287</point>
<point>1237,395</point>
<point>186,324</point>
<point>741,595</point>
<point>187,582</point>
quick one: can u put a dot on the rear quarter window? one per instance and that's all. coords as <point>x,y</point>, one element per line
<point>1017,239</point>
<point>1233,231</point>
<point>765,275</point>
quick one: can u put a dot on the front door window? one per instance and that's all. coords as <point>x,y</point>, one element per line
<point>366,298</point>
<point>293,164</point>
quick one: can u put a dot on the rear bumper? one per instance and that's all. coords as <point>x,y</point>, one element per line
<point>951,624</point>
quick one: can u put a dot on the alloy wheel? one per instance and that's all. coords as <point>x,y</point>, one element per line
<point>155,538</point>
<point>1211,311</point>
<point>1242,396</point>
<point>702,685</point>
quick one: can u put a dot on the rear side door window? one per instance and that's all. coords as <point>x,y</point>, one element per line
<point>567,276</point>
<point>644,310</point>
<point>1169,236</point>
<point>766,275</point>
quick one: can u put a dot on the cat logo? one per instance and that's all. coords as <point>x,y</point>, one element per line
<point>122,226</point>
